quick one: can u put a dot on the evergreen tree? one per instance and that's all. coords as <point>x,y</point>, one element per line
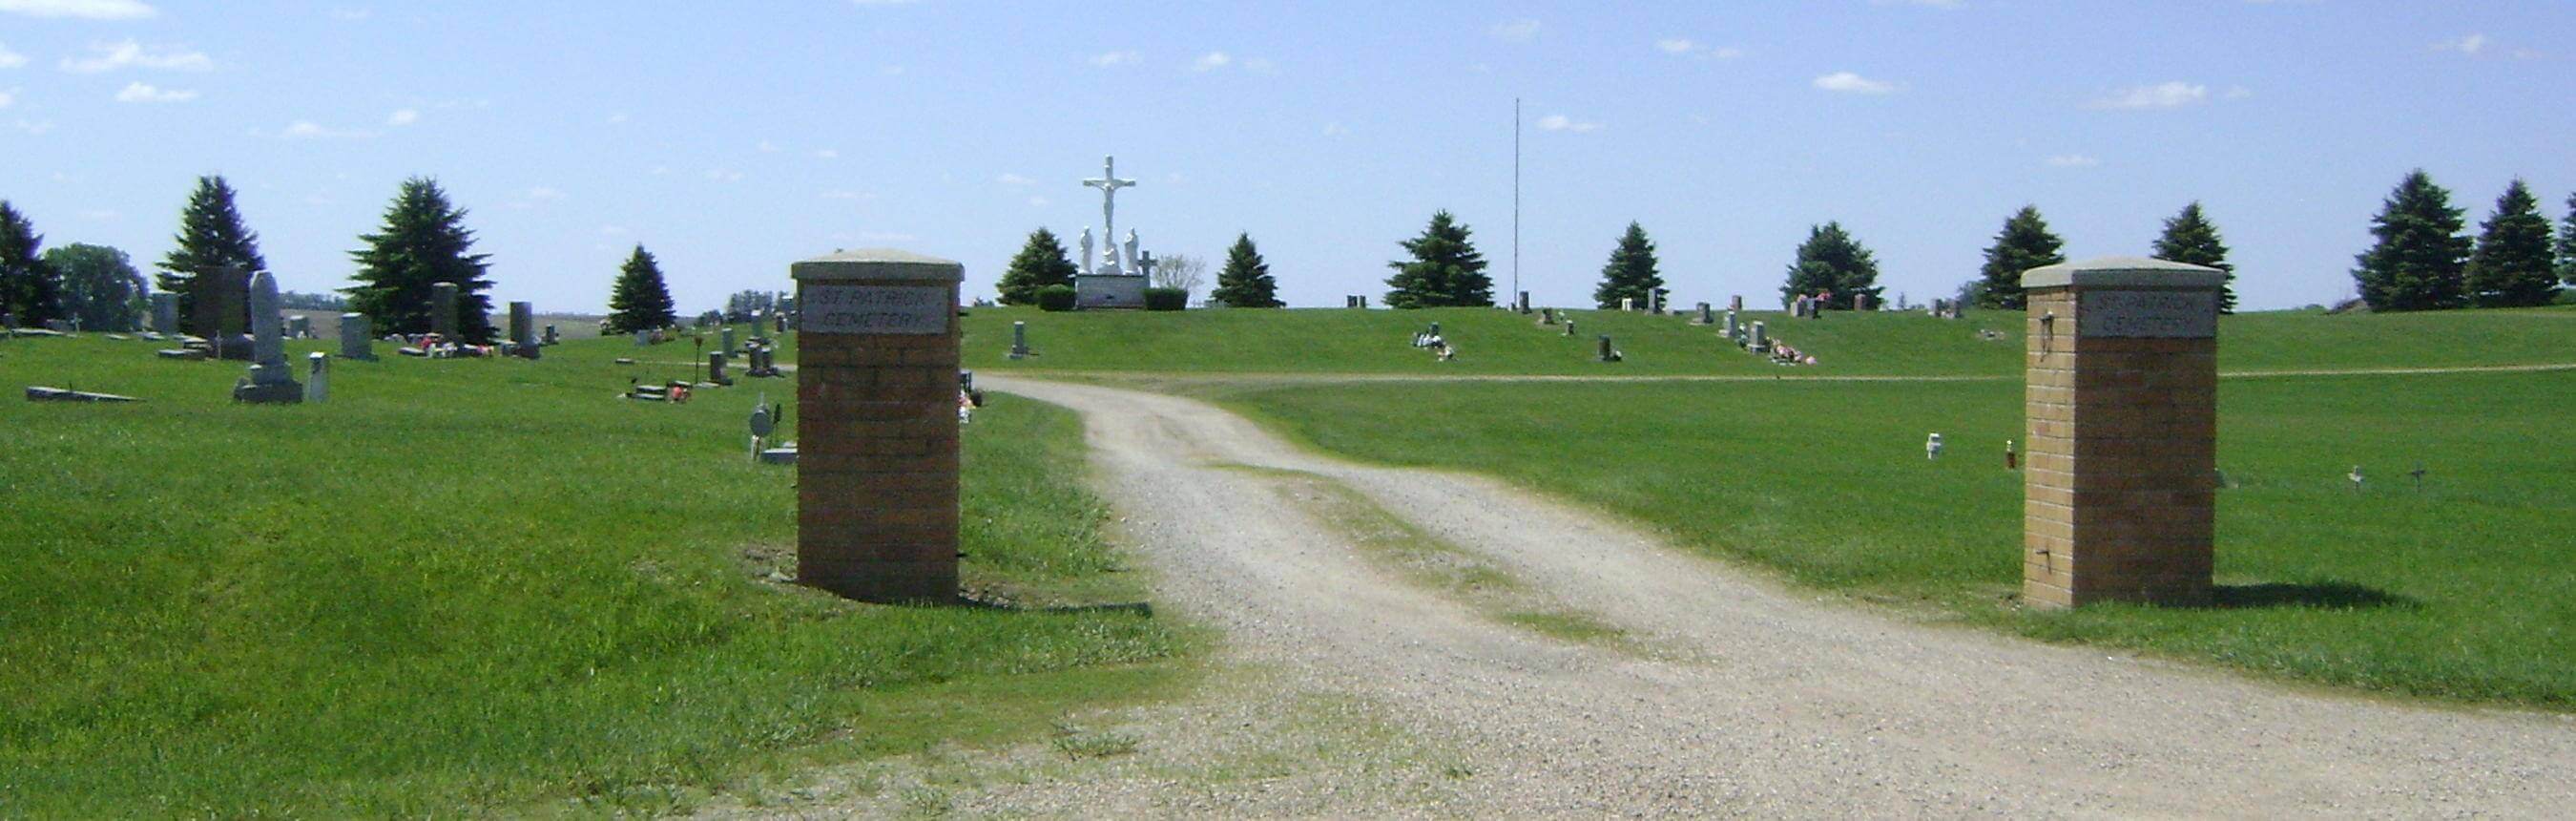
<point>1830,260</point>
<point>28,287</point>
<point>100,288</point>
<point>1246,281</point>
<point>1445,270</point>
<point>2512,266</point>
<point>2420,260</point>
<point>2025,243</point>
<point>1039,263</point>
<point>423,241</point>
<point>2190,238</point>
<point>2567,245</point>
<point>640,301</point>
<point>211,237</point>
<point>1630,273</point>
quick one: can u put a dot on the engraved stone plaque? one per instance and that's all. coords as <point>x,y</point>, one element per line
<point>2189,314</point>
<point>875,309</point>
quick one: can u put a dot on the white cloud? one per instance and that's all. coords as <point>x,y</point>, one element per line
<point>405,116</point>
<point>1260,65</point>
<point>1849,83</point>
<point>659,170</point>
<point>827,154</point>
<point>1560,122</point>
<point>2072,161</point>
<point>767,147</point>
<point>544,194</point>
<point>349,14</point>
<point>145,93</point>
<point>9,97</point>
<point>1685,48</point>
<point>616,118</point>
<point>86,9</point>
<point>1116,58</point>
<point>1038,202</point>
<point>2468,44</point>
<point>2236,93</point>
<point>2161,95</point>
<point>1516,31</point>
<point>113,56</point>
<point>1335,130</point>
<point>11,59</point>
<point>1212,61</point>
<point>309,130</point>
<point>1015,179</point>
<point>844,194</point>
<point>724,175</point>
<point>31,126</point>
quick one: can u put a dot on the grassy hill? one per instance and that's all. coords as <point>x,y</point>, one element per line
<point>1493,342</point>
<point>468,586</point>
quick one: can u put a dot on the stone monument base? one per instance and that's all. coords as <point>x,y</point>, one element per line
<point>235,347</point>
<point>279,393</point>
<point>1091,291</point>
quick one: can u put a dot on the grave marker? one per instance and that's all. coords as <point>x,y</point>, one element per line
<point>165,313</point>
<point>442,310</point>
<point>876,485</point>
<point>2122,430</point>
<point>269,380</point>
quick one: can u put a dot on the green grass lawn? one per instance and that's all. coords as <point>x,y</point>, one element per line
<point>1492,342</point>
<point>2465,590</point>
<point>464,587</point>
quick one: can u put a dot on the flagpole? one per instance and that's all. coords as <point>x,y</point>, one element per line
<point>1514,298</point>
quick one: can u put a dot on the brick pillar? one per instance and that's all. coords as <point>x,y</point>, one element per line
<point>876,462</point>
<point>2119,490</point>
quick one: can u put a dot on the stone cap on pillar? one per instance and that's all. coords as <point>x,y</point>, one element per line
<point>877,264</point>
<point>2124,272</point>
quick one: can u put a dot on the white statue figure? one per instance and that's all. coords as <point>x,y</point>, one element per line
<point>1086,252</point>
<point>1109,183</point>
<point>1127,260</point>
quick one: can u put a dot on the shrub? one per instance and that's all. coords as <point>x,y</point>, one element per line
<point>1055,298</point>
<point>1166,299</point>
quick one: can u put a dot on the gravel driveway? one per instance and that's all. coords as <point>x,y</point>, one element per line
<point>1350,691</point>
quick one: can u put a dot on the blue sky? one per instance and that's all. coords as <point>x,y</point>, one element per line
<point>732,139</point>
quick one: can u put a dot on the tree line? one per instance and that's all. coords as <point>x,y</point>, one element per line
<point>1042,267</point>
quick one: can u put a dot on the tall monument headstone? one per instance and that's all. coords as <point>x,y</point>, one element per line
<point>1116,281</point>
<point>165,313</point>
<point>269,379</point>
<point>442,310</point>
<point>222,310</point>
<point>2122,423</point>
<point>876,469</point>
<point>523,329</point>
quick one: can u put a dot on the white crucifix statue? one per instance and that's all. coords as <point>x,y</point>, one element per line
<point>1109,183</point>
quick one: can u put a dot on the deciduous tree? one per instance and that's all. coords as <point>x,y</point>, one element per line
<point>100,288</point>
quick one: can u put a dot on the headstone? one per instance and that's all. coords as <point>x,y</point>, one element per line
<point>716,368</point>
<point>643,338</point>
<point>222,311</point>
<point>39,393</point>
<point>1569,326</point>
<point>550,338</point>
<point>1707,314</point>
<point>1628,303</point>
<point>442,310</point>
<point>1524,303</point>
<point>2122,431</point>
<point>1732,329</point>
<point>270,381</point>
<point>1019,340</point>
<point>165,313</point>
<point>1735,304</point>
<point>876,472</point>
<point>1547,316</point>
<point>1761,338</point>
<point>727,339</point>
<point>1863,302</point>
<point>1655,302</point>
<point>1607,354</point>
<point>317,377</point>
<point>524,327</point>
<point>779,322</point>
<point>60,326</point>
<point>299,326</point>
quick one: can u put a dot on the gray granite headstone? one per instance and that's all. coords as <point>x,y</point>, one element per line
<point>317,377</point>
<point>1761,338</point>
<point>550,337</point>
<point>643,338</point>
<point>1707,314</point>
<point>269,381</point>
<point>716,368</point>
<point>1732,329</point>
<point>357,336</point>
<point>727,337</point>
<point>165,313</point>
<point>523,330</point>
<point>222,298</point>
<point>1019,340</point>
<point>442,310</point>
<point>299,326</point>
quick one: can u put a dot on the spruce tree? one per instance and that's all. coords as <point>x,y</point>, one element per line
<point>2512,266</point>
<point>1445,271</point>
<point>211,237</point>
<point>29,288</point>
<point>2025,243</point>
<point>1246,281</point>
<point>100,288</point>
<point>2419,262</point>
<point>640,301</point>
<point>1040,263</point>
<point>2567,245</point>
<point>1630,273</point>
<point>423,241</point>
<point>1831,261</point>
<point>2190,238</point>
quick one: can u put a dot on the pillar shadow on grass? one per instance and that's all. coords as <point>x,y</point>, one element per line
<point>2326,595</point>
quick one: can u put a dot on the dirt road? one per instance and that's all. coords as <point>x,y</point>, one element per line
<point>1730,695</point>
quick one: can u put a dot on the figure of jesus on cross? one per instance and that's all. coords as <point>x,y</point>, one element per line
<point>1109,183</point>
